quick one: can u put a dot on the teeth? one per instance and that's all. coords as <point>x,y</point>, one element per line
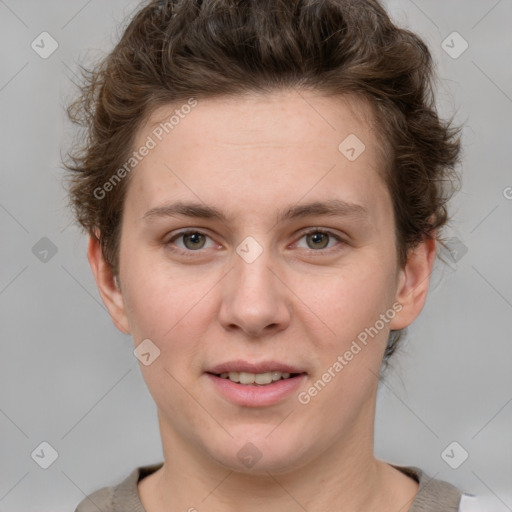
<point>247,378</point>
<point>263,378</point>
<point>255,378</point>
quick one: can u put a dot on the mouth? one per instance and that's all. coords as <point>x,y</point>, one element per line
<point>258,379</point>
<point>256,385</point>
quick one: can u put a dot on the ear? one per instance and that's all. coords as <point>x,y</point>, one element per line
<point>109,291</point>
<point>413,282</point>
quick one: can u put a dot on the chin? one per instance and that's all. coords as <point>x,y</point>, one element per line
<point>253,451</point>
<point>251,461</point>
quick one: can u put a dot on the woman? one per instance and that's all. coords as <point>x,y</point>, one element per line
<point>264,184</point>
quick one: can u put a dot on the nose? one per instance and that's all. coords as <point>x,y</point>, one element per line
<point>254,299</point>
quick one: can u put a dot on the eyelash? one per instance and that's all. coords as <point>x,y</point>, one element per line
<point>190,253</point>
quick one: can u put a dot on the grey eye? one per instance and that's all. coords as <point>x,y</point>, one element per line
<point>193,241</point>
<point>318,239</point>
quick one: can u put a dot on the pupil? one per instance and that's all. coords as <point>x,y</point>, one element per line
<point>194,238</point>
<point>317,237</point>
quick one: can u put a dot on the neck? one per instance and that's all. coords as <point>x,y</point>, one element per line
<point>349,476</point>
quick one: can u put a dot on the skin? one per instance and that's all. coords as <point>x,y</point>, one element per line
<point>302,302</point>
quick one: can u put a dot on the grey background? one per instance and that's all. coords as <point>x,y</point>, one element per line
<point>69,378</point>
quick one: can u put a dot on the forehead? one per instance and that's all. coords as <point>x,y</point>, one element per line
<point>258,149</point>
<point>281,118</point>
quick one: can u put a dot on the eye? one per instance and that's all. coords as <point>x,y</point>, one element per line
<point>319,239</point>
<point>191,241</point>
<point>186,242</point>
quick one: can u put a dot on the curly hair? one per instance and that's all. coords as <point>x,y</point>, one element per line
<point>174,50</point>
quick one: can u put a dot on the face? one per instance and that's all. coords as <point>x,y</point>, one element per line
<point>255,247</point>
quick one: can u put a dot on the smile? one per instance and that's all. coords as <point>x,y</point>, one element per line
<point>260,379</point>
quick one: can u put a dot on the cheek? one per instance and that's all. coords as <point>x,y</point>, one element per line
<point>350,354</point>
<point>164,309</point>
<point>346,302</point>
<point>164,304</point>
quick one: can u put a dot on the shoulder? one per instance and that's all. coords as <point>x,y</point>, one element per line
<point>101,499</point>
<point>120,497</point>
<point>435,494</point>
<point>470,503</point>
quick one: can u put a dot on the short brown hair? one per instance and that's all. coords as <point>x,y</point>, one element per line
<point>174,50</point>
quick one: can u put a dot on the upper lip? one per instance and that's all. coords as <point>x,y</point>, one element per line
<point>262,367</point>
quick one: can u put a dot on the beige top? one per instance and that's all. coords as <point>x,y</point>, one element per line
<point>433,495</point>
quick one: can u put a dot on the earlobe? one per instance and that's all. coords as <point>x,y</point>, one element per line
<point>108,285</point>
<point>413,282</point>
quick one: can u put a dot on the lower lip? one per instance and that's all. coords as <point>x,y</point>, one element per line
<point>252,395</point>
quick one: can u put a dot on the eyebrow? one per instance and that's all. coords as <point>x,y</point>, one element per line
<point>333,207</point>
